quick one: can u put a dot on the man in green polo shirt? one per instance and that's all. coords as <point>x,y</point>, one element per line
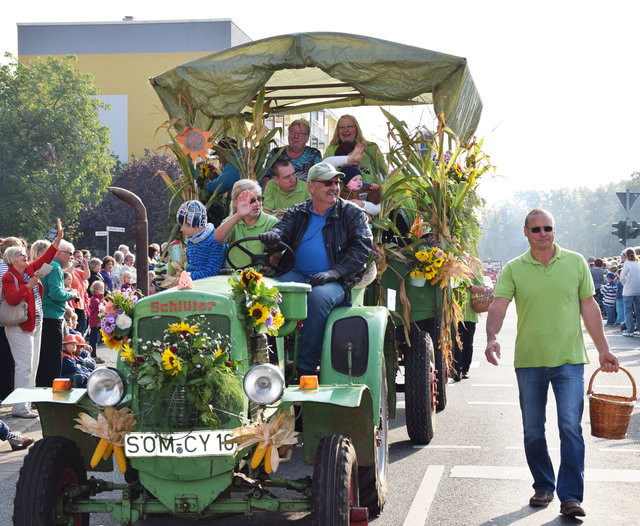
<point>284,190</point>
<point>553,289</point>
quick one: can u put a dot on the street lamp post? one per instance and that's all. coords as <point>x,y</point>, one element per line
<point>595,240</point>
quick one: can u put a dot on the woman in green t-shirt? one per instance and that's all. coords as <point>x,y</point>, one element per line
<point>246,220</point>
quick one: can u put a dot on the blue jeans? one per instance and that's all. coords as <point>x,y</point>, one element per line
<point>320,302</point>
<point>619,311</point>
<point>567,382</point>
<point>4,430</point>
<point>611,314</point>
<point>631,305</point>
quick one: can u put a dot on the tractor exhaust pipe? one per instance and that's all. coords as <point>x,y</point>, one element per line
<point>142,235</point>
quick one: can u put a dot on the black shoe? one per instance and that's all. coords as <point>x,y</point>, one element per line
<point>572,508</point>
<point>540,499</point>
<point>456,376</point>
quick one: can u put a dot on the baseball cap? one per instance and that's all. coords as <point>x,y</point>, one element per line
<point>610,275</point>
<point>323,172</point>
<point>192,213</point>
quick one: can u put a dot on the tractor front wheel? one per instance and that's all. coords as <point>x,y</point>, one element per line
<point>335,482</point>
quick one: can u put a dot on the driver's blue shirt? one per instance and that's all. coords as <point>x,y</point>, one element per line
<point>311,254</point>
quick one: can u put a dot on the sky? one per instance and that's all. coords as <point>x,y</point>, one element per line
<point>559,79</point>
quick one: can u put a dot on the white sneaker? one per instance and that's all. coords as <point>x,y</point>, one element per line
<point>627,333</point>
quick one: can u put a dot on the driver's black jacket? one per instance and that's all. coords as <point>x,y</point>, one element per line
<point>347,237</point>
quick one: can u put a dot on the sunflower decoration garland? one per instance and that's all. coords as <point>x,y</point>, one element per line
<point>116,318</point>
<point>259,304</point>
<point>189,357</point>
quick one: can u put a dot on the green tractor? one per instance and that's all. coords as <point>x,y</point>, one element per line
<point>174,465</point>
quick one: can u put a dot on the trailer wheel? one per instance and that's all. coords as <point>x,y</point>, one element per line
<point>335,482</point>
<point>373,479</point>
<point>443,378</point>
<point>52,465</point>
<point>420,385</point>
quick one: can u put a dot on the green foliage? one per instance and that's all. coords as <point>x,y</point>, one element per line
<point>55,153</point>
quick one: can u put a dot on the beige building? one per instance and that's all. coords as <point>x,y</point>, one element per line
<point>123,55</point>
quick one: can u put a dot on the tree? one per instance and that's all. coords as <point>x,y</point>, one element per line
<point>139,177</point>
<point>55,153</point>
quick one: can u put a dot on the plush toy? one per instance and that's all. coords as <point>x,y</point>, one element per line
<point>184,281</point>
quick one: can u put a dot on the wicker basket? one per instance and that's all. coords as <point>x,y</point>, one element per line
<point>610,414</point>
<point>481,304</point>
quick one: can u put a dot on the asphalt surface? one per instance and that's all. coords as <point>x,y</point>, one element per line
<point>474,471</point>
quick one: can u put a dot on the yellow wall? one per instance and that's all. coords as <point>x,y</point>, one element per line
<point>128,74</point>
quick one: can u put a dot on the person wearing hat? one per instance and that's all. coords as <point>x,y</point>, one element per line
<point>332,243</point>
<point>366,196</point>
<point>608,291</point>
<point>71,365</point>
<point>205,256</point>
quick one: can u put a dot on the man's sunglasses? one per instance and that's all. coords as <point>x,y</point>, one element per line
<point>536,229</point>
<point>329,183</point>
<point>259,198</point>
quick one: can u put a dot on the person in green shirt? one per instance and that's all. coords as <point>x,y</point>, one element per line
<point>553,290</point>
<point>246,220</point>
<point>284,190</point>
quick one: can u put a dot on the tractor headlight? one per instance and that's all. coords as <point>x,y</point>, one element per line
<point>105,387</point>
<point>264,384</point>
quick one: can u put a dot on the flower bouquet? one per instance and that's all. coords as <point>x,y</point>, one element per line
<point>187,377</point>
<point>116,317</point>
<point>259,304</point>
<point>426,264</point>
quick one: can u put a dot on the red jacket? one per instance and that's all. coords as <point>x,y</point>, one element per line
<point>15,296</point>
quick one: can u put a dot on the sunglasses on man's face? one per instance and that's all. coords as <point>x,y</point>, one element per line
<point>537,229</point>
<point>329,183</point>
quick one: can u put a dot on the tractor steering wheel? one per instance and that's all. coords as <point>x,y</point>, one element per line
<point>263,260</point>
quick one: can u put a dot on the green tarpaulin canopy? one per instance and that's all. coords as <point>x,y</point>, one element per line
<point>311,71</point>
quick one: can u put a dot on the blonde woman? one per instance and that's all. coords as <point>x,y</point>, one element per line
<point>346,137</point>
<point>245,220</point>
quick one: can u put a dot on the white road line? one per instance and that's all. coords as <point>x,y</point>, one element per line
<point>419,510</point>
<point>471,402</point>
<point>522,473</point>
<point>491,385</point>
<point>452,446</point>
<point>612,450</point>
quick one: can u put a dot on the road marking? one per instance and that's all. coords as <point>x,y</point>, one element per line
<point>433,446</point>
<point>491,385</point>
<point>419,510</point>
<point>612,450</point>
<point>522,473</point>
<point>492,403</point>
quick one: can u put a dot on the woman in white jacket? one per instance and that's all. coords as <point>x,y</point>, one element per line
<point>630,278</point>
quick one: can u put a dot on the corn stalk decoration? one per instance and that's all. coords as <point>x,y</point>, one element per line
<point>433,186</point>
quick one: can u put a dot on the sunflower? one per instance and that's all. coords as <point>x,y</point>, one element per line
<point>259,312</point>
<point>127,353</point>
<point>278,320</point>
<point>249,276</point>
<point>111,341</point>
<point>183,327</point>
<point>421,255</point>
<point>170,362</point>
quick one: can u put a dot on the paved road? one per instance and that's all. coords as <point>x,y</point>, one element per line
<point>474,471</point>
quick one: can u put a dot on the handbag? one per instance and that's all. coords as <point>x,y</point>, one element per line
<point>11,315</point>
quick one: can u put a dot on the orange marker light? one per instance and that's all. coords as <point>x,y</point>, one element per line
<point>62,384</point>
<point>309,382</point>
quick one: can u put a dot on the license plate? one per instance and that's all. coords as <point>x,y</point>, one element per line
<point>192,444</point>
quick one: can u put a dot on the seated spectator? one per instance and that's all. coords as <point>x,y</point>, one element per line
<point>366,196</point>
<point>205,255</point>
<point>83,356</point>
<point>246,220</point>
<point>301,156</point>
<point>284,190</point>
<point>71,367</point>
<point>229,174</point>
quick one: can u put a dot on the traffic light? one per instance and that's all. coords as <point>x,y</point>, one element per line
<point>620,231</point>
<point>633,229</point>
